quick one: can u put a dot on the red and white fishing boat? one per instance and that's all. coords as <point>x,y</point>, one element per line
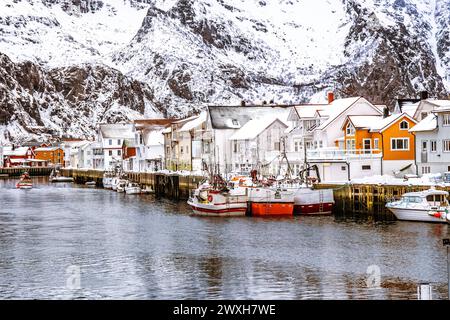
<point>24,182</point>
<point>217,200</point>
<point>310,201</point>
<point>273,201</point>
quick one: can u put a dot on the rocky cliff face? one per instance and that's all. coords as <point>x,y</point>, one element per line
<point>191,53</point>
<point>38,103</point>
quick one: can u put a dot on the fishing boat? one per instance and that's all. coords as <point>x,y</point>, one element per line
<point>115,182</point>
<point>429,206</point>
<point>271,201</point>
<point>55,176</point>
<point>309,201</point>
<point>217,200</point>
<point>25,181</point>
<point>132,188</point>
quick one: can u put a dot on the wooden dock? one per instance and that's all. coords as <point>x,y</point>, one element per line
<point>33,171</point>
<point>171,186</point>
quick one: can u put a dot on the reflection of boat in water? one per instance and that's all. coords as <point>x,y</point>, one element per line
<point>55,176</point>
<point>217,200</point>
<point>90,184</point>
<point>132,188</point>
<point>429,206</point>
<point>24,182</point>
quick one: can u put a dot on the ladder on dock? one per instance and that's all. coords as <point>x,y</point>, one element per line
<point>320,201</point>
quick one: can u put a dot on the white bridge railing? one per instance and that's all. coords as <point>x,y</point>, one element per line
<point>342,154</point>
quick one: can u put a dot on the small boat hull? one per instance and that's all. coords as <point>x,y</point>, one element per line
<point>272,209</point>
<point>218,210</point>
<point>61,179</point>
<point>415,215</point>
<point>314,209</point>
<point>132,190</point>
<point>24,186</point>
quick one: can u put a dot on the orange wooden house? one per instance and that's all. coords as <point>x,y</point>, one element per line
<point>389,137</point>
<point>54,155</point>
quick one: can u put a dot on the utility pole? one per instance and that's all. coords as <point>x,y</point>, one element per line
<point>446,243</point>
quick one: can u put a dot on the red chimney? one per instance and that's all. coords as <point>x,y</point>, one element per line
<point>330,97</point>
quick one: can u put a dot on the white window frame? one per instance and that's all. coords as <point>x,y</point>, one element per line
<point>400,125</point>
<point>364,143</point>
<point>400,138</point>
<point>376,144</point>
<point>351,142</point>
<point>446,119</point>
<point>433,142</point>
<point>424,142</point>
<point>350,129</point>
<point>444,142</point>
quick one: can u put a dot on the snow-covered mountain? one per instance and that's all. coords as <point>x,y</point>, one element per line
<point>193,52</point>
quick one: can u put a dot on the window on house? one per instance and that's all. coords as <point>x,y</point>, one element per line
<point>277,146</point>
<point>367,145</point>
<point>235,122</point>
<point>118,142</point>
<point>424,145</point>
<point>119,152</point>
<point>426,170</point>
<point>320,144</point>
<point>404,125</point>
<point>110,152</point>
<point>365,167</point>
<point>168,150</point>
<point>448,168</point>
<point>375,144</point>
<point>350,130</point>
<point>235,146</point>
<point>296,147</point>
<point>446,145</point>
<point>446,119</point>
<point>181,150</point>
<point>315,144</point>
<point>343,168</point>
<point>433,145</point>
<point>350,144</point>
<point>110,142</point>
<point>400,144</point>
<point>187,149</point>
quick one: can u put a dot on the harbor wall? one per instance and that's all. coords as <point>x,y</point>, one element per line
<point>350,199</point>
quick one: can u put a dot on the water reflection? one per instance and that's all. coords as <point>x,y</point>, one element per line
<point>145,248</point>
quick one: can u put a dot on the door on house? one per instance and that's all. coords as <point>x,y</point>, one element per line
<point>366,145</point>
<point>424,153</point>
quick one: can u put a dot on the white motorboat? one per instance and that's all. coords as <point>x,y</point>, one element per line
<point>121,185</point>
<point>24,182</point>
<point>56,176</point>
<point>132,188</point>
<point>429,206</point>
<point>107,180</point>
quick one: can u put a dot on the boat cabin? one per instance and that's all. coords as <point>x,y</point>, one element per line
<point>434,198</point>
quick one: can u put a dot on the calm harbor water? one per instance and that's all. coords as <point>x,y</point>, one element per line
<point>139,247</point>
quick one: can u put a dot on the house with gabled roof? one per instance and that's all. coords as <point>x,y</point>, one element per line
<point>432,136</point>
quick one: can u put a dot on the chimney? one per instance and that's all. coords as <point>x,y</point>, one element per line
<point>423,95</point>
<point>242,103</point>
<point>385,112</point>
<point>330,96</point>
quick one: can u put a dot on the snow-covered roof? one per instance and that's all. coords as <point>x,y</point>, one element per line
<point>410,108</point>
<point>194,123</point>
<point>440,103</point>
<point>361,122</point>
<point>383,123</point>
<point>254,128</point>
<point>118,130</point>
<point>336,108</point>
<point>19,151</point>
<point>309,111</point>
<point>46,149</point>
<point>167,130</point>
<point>427,124</point>
<point>234,117</point>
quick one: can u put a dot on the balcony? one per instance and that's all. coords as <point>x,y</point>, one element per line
<point>342,154</point>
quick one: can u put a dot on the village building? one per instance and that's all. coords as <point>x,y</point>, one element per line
<point>112,138</point>
<point>432,135</point>
<point>230,136</point>
<point>17,156</point>
<point>377,145</point>
<point>183,143</point>
<point>54,155</point>
<point>150,143</point>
